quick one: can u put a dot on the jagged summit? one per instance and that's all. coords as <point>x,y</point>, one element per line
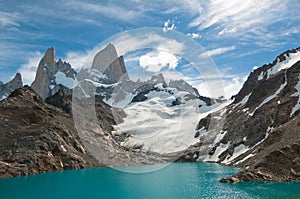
<point>107,62</point>
<point>282,63</point>
<point>52,75</point>
<point>6,89</point>
<point>49,57</point>
<point>104,58</point>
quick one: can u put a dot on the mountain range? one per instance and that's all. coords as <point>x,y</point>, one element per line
<point>98,116</point>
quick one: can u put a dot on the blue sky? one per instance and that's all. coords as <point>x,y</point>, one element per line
<point>236,34</point>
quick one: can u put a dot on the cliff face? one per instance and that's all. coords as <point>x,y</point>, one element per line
<point>36,137</point>
<point>6,89</point>
<point>107,62</point>
<point>52,75</point>
<point>260,129</point>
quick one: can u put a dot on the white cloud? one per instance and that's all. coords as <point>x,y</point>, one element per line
<point>168,25</point>
<point>143,39</point>
<point>212,88</point>
<point>193,35</point>
<point>9,19</point>
<point>112,11</point>
<point>77,59</point>
<point>154,62</point>
<point>227,31</point>
<point>28,70</point>
<point>216,51</point>
<point>237,14</point>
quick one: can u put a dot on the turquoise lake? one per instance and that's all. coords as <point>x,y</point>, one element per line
<point>177,180</point>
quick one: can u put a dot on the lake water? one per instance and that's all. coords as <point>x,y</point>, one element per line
<point>177,180</point>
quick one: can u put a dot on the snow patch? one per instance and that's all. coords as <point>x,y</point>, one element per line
<point>63,148</point>
<point>245,158</point>
<point>219,150</point>
<point>243,101</point>
<point>290,60</point>
<point>158,126</point>
<point>268,99</point>
<point>238,150</point>
<point>61,78</point>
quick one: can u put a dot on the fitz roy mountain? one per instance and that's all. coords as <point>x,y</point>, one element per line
<point>49,126</point>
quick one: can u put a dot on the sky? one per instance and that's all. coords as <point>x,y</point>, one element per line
<point>236,35</point>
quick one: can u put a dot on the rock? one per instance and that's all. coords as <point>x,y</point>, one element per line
<point>107,62</point>
<point>61,100</point>
<point>15,83</point>
<point>182,85</point>
<point>104,58</point>
<point>260,132</point>
<point>50,74</point>
<point>36,137</point>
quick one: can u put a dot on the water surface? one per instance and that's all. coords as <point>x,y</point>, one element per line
<point>178,180</point>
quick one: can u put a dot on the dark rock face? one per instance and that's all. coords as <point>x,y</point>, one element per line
<point>48,76</point>
<point>15,83</point>
<point>261,128</point>
<point>61,100</point>
<point>36,137</point>
<point>107,62</point>
<point>277,158</point>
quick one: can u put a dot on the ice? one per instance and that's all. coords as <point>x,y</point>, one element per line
<point>61,78</point>
<point>160,127</point>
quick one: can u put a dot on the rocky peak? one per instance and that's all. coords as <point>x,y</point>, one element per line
<point>25,93</point>
<point>51,74</point>
<point>104,58</point>
<point>282,62</point>
<point>49,57</point>
<point>182,85</point>
<point>16,81</point>
<point>6,89</point>
<point>108,63</point>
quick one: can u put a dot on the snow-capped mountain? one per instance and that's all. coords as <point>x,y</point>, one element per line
<point>6,89</point>
<point>160,117</point>
<point>261,125</point>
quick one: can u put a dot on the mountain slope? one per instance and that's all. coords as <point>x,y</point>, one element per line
<point>261,123</point>
<point>36,137</point>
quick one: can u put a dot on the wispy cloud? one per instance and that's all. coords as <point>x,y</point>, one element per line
<point>227,86</point>
<point>28,70</point>
<point>237,15</point>
<point>77,59</point>
<point>112,11</point>
<point>9,19</point>
<point>217,51</point>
